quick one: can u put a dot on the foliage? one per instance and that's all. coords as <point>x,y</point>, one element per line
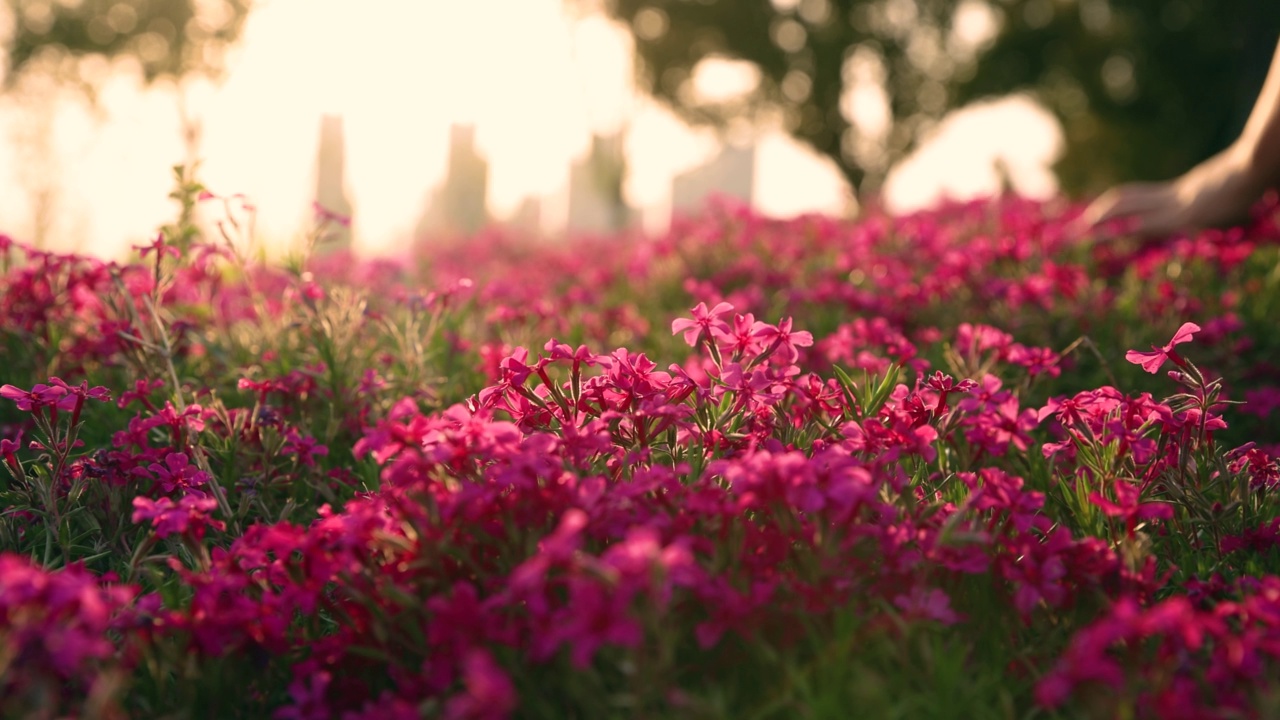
<point>920,466</point>
<point>1144,88</point>
<point>168,38</point>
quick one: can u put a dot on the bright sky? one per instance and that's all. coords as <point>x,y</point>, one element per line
<point>399,72</point>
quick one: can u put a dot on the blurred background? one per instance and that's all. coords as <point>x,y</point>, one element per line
<point>426,119</point>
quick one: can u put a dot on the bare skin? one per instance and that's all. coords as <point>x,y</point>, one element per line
<point>1217,192</point>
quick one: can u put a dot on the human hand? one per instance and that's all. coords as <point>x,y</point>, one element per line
<point>1217,192</point>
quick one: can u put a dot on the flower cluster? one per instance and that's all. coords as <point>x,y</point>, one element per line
<point>749,466</point>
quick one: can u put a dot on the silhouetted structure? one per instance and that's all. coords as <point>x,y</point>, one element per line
<point>527,217</point>
<point>458,204</point>
<point>729,174</point>
<point>595,188</point>
<point>331,184</point>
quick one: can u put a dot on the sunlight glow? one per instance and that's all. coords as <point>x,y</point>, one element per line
<point>970,149</point>
<point>400,72</point>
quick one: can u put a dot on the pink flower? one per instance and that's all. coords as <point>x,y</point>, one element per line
<point>1151,361</point>
<point>324,215</point>
<point>188,515</point>
<point>304,447</point>
<point>596,615</point>
<point>739,338</point>
<point>488,692</point>
<point>782,340</point>
<point>976,339</point>
<point>83,390</point>
<point>1128,507</point>
<point>76,395</point>
<point>177,472</point>
<point>561,351</point>
<point>56,622</point>
<point>8,450</point>
<point>309,692</point>
<point>562,543</point>
<point>704,323</point>
<point>39,396</point>
<point>927,604</point>
<point>159,247</point>
<point>206,196</point>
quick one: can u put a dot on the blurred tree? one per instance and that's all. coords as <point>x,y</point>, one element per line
<point>53,43</point>
<point>168,38</point>
<point>1144,88</point>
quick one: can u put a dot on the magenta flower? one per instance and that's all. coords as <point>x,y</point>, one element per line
<point>8,450</point>
<point>188,515</point>
<point>561,351</point>
<point>978,339</point>
<point>704,323</point>
<point>781,339</point>
<point>1151,361</point>
<point>77,394</point>
<point>325,215</point>
<point>310,696</point>
<point>178,472</point>
<point>205,196</point>
<point>159,247</point>
<point>56,622</point>
<point>596,615</point>
<point>927,604</point>
<point>1128,507</point>
<point>566,539</point>
<point>39,396</point>
<point>304,447</point>
<point>83,390</point>
<point>488,692</point>
<point>739,338</point>
<point>8,447</point>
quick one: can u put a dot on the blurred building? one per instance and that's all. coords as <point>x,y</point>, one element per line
<point>458,206</point>
<point>729,174</point>
<point>595,188</point>
<point>527,217</point>
<point>331,181</point>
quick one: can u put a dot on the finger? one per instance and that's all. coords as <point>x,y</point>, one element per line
<point>1127,200</point>
<point>1113,228</point>
<point>1135,209</point>
<point>1162,220</point>
<point>1098,218</point>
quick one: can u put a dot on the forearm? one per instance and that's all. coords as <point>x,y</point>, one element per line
<point>1258,148</point>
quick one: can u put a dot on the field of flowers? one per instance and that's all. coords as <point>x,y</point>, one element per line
<point>966,463</point>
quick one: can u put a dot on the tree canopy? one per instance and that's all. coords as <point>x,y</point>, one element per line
<point>168,38</point>
<point>1144,88</point>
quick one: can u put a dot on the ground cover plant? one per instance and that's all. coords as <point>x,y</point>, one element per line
<point>964,463</point>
